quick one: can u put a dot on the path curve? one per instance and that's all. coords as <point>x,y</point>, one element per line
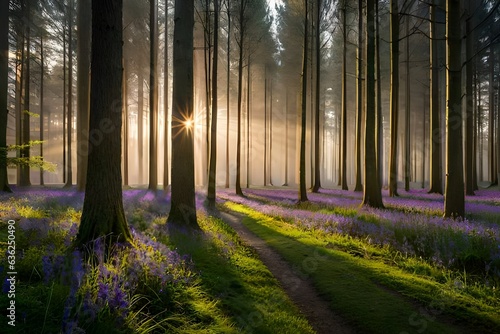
<point>299,289</point>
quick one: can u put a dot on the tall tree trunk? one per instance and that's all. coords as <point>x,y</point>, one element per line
<point>359,97</point>
<point>380,125</point>
<point>372,195</point>
<point>25,133</point>
<point>407,111</point>
<point>249,91</point>
<point>317,157</point>
<point>20,70</point>
<point>393,163</point>
<point>228,87</point>
<point>84,22</point>
<point>153,95</point>
<point>265,126</point>
<point>240,93</point>
<point>454,192</point>
<point>286,138</point>
<point>271,132</point>
<point>125,122</point>
<point>42,111</point>
<point>343,149</point>
<point>69,178</point>
<point>436,182</point>
<point>207,54</point>
<point>166,91</point>
<point>140,125</point>
<point>302,166</point>
<point>103,214</point>
<point>479,131</point>
<point>183,206</point>
<point>4,75</point>
<point>491,120</point>
<point>64,106</point>
<point>469,111</point>
<point>212,179</point>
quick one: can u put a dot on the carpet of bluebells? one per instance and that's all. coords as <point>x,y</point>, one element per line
<point>111,283</point>
<point>411,224</point>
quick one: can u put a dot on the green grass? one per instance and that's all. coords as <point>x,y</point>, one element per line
<point>363,284</point>
<point>232,273</point>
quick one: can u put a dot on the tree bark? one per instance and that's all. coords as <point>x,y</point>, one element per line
<point>343,158</point>
<point>372,195</point>
<point>69,131</point>
<point>394,106</point>
<point>228,87</point>
<point>302,170</point>
<point>166,91</point>
<point>153,95</point>
<point>491,120</point>
<point>4,75</point>
<point>436,182</point>
<point>407,107</point>
<point>454,192</point>
<point>359,95</point>
<point>212,174</point>
<point>380,125</point>
<point>140,126</point>
<point>183,206</point>
<point>242,33</point>
<point>83,90</point>
<point>317,156</point>
<point>103,214</point>
<point>469,108</point>
<point>42,111</point>
<point>25,128</point>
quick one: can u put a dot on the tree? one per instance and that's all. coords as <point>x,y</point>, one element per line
<point>359,94</point>
<point>4,72</point>
<point>302,163</point>
<point>213,141</point>
<point>436,183</point>
<point>183,205</point>
<point>343,158</point>
<point>469,106</point>
<point>394,105</point>
<point>84,23</point>
<point>454,205</point>
<point>103,214</point>
<point>372,195</point>
<point>24,175</point>
<point>69,124</point>
<point>228,85</point>
<point>153,95</point>
<point>317,157</point>
<point>166,91</point>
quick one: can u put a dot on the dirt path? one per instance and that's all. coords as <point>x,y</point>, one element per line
<point>300,290</point>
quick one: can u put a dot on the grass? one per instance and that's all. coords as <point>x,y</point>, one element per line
<point>378,290</point>
<point>176,283</point>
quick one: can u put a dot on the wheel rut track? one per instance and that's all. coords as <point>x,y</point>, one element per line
<point>298,288</point>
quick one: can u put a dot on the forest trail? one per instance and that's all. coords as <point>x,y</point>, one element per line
<point>299,289</point>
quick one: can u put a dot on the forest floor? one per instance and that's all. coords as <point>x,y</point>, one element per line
<point>300,289</point>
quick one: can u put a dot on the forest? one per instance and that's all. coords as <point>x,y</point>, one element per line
<point>250,166</point>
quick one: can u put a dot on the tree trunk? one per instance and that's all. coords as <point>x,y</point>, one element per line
<point>183,206</point>
<point>25,133</point>
<point>42,112</point>
<point>317,157</point>
<point>372,195</point>
<point>265,126</point>
<point>103,214</point>
<point>454,192</point>
<point>69,178</point>
<point>491,120</point>
<point>380,125</point>
<point>83,88</point>
<point>125,122</point>
<point>4,75</point>
<point>240,93</point>
<point>166,91</point>
<point>153,95</point>
<point>286,138</point>
<point>469,111</point>
<point>212,175</point>
<point>436,182</point>
<point>140,125</point>
<point>407,111</point>
<point>393,163</point>
<point>343,158</point>
<point>228,87</point>
<point>64,106</point>
<point>302,170</point>
<point>249,91</point>
<point>271,132</point>
<point>359,94</point>
<point>207,53</point>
